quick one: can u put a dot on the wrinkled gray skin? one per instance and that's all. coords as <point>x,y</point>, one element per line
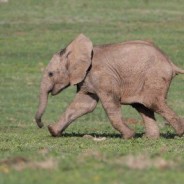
<point>134,73</point>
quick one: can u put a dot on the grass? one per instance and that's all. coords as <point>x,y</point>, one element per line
<point>30,32</point>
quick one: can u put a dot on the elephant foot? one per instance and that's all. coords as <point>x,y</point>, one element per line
<point>54,131</point>
<point>153,135</point>
<point>39,122</point>
<point>128,135</point>
<point>180,128</point>
<point>152,132</point>
<point>180,132</point>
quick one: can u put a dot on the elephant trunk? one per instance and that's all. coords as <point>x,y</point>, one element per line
<point>43,99</point>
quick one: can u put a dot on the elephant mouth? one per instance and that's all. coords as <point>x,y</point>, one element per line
<point>57,90</point>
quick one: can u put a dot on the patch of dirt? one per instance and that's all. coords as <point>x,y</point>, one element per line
<point>88,136</point>
<point>21,163</point>
<point>142,162</point>
<point>97,139</point>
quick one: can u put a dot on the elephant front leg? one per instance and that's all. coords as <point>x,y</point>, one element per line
<point>82,104</point>
<point>113,109</point>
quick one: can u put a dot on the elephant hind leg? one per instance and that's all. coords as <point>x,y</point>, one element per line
<point>175,121</point>
<point>151,128</point>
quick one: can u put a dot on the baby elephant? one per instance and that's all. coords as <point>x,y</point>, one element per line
<point>135,73</point>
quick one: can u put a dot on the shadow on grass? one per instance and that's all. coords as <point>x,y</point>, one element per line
<point>114,135</point>
<point>168,135</point>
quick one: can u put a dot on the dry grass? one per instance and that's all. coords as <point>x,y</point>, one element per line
<point>21,163</point>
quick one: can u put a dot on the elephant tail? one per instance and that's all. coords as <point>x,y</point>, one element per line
<point>177,70</point>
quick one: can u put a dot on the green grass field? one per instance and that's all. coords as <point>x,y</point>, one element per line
<point>30,32</point>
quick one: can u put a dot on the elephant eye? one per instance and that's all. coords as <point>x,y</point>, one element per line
<point>50,74</point>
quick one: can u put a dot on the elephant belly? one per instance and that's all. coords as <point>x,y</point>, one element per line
<point>131,92</point>
<point>130,99</point>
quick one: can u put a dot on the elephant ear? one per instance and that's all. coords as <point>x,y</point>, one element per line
<point>79,58</point>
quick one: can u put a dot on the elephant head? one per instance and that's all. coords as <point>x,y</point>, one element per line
<point>67,67</point>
